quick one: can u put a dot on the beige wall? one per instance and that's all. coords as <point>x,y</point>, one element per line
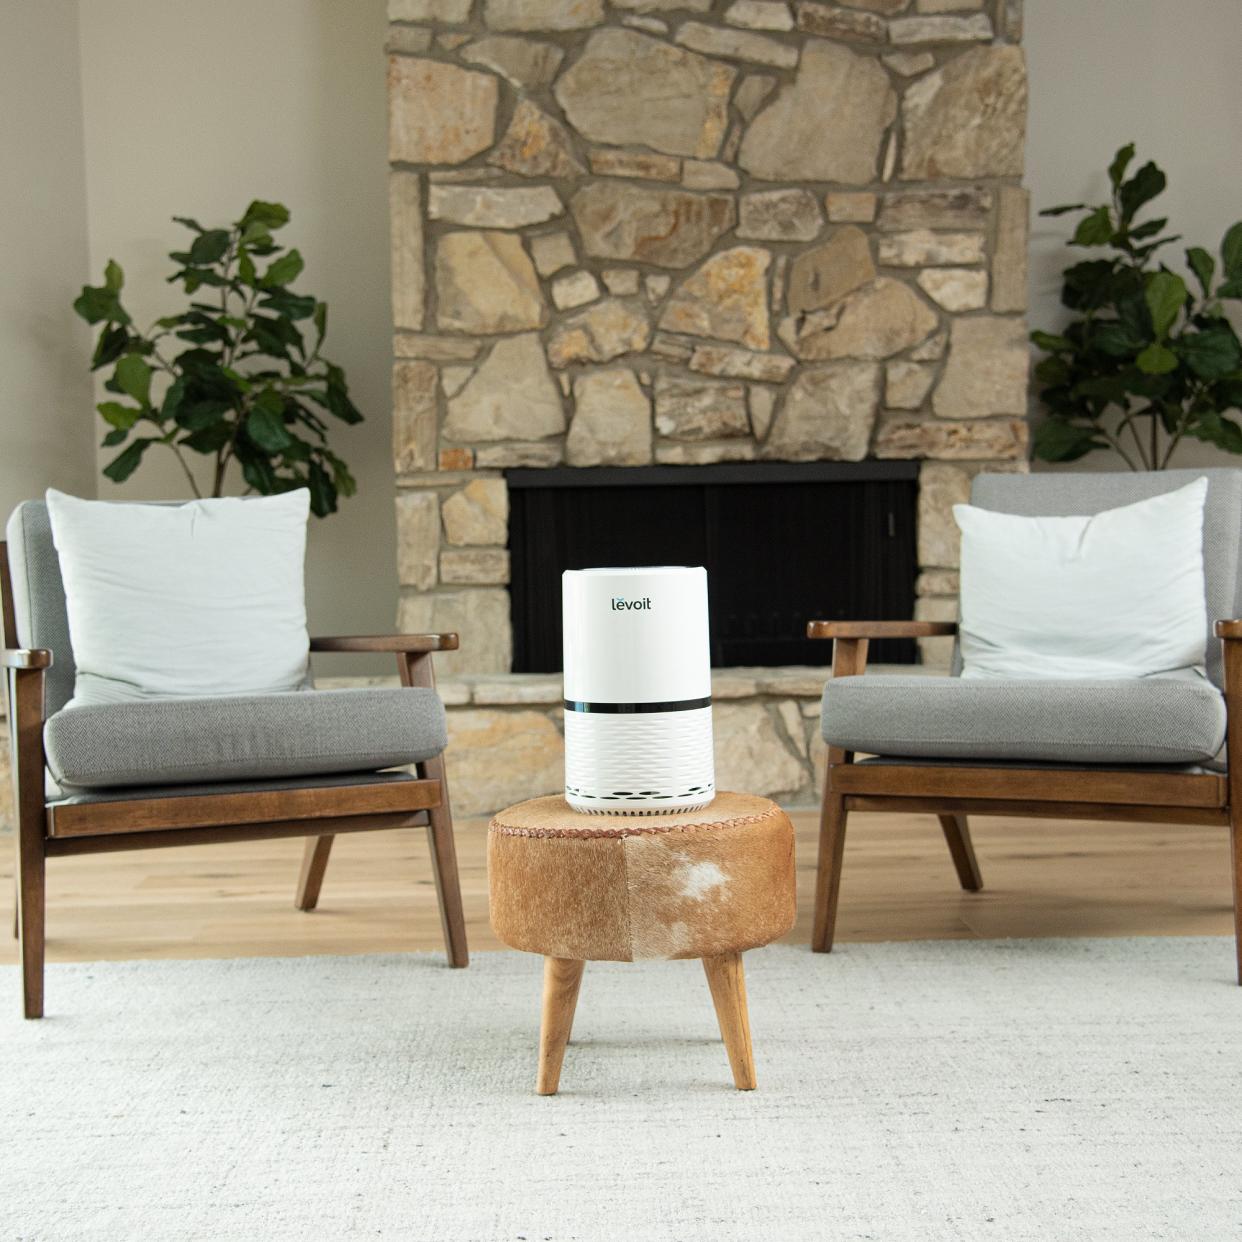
<point>1164,75</point>
<point>45,393</point>
<point>195,109</point>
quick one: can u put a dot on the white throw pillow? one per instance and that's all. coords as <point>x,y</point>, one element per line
<point>1116,595</point>
<point>171,601</point>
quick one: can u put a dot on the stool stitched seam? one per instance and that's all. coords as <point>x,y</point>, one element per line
<point>510,830</point>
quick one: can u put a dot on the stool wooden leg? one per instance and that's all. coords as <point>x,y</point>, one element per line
<point>562,976</point>
<point>727,981</point>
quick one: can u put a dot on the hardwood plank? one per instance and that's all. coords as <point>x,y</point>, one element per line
<point>1045,878</point>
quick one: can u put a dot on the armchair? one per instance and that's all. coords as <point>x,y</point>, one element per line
<point>111,777</point>
<point>1145,750</point>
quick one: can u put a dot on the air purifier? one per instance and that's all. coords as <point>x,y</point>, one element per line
<point>638,708</point>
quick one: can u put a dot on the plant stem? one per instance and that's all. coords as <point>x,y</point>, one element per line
<point>193,484</point>
<point>1116,444</point>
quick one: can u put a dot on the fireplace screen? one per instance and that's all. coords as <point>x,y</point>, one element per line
<point>783,544</point>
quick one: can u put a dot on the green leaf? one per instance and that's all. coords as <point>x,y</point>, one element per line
<point>1145,185</point>
<point>209,247</point>
<point>1114,338</point>
<point>291,305</point>
<point>209,439</point>
<point>338,397</point>
<point>126,462</point>
<point>113,341</point>
<point>1214,429</point>
<point>1062,209</point>
<point>1052,371</point>
<point>97,303</point>
<point>1156,360</point>
<point>189,224</point>
<point>283,270</point>
<point>1211,354</point>
<point>322,491</point>
<point>122,417</point>
<point>113,438</point>
<point>114,278</point>
<point>321,323</point>
<point>265,424</point>
<point>1148,229</point>
<point>173,399</point>
<point>133,377</point>
<point>246,270</point>
<point>1230,288</point>
<point>270,215</point>
<point>1231,252</point>
<point>1121,161</point>
<point>1203,266</point>
<point>1165,296</point>
<point>1050,342</point>
<point>1095,229</point>
<point>1057,440</point>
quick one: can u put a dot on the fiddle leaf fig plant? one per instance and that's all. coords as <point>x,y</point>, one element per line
<point>238,376</point>
<point>1150,357</point>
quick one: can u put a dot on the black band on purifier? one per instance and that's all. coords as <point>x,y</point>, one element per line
<point>626,709</point>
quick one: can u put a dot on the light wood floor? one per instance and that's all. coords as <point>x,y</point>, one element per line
<point>1042,878</point>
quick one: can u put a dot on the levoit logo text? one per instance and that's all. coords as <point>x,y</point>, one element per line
<point>620,604</point>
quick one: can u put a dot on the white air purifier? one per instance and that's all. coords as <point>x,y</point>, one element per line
<point>638,707</point>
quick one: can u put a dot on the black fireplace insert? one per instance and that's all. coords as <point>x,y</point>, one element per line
<point>783,543</point>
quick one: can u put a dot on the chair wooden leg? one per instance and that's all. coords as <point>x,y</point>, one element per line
<point>31,897</point>
<point>444,865</point>
<point>727,981</point>
<point>828,875</point>
<point>1235,835</point>
<point>562,977</point>
<point>314,864</point>
<point>957,834</point>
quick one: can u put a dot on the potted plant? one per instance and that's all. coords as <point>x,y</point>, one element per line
<point>1148,359</point>
<point>237,376</point>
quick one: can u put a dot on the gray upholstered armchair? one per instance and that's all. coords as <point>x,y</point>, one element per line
<point>1155,749</point>
<point>181,771</point>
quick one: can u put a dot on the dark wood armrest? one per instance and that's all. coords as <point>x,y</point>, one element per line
<point>1229,629</point>
<point>17,657</point>
<point>890,629</point>
<point>412,644</point>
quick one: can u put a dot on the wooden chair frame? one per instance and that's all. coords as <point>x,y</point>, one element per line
<point>953,793</point>
<point>320,814</point>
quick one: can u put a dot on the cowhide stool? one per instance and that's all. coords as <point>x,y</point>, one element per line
<point>620,888</point>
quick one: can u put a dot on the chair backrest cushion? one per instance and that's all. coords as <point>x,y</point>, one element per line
<point>1067,494</point>
<point>39,597</point>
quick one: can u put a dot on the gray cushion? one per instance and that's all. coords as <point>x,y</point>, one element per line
<point>175,741</point>
<point>1145,720</point>
<point>1067,494</point>
<point>39,597</point>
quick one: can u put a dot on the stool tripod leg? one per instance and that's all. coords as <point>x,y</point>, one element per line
<point>562,977</point>
<point>727,981</point>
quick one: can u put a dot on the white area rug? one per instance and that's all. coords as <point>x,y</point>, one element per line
<point>1003,1090</point>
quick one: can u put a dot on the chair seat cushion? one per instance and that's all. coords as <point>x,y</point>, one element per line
<point>1145,720</point>
<point>195,740</point>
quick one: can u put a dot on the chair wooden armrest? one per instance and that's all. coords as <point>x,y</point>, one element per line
<point>882,629</point>
<point>19,657</point>
<point>1229,629</point>
<point>851,638</point>
<point>402,644</point>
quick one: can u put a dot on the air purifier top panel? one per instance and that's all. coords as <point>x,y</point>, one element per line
<point>636,636</point>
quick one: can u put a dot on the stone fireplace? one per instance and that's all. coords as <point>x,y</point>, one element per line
<point>676,233</point>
